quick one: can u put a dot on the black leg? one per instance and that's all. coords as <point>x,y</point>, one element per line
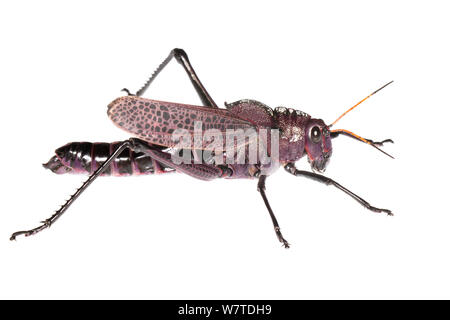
<point>182,58</point>
<point>376,143</point>
<point>48,222</point>
<point>199,171</point>
<point>262,190</point>
<point>290,167</point>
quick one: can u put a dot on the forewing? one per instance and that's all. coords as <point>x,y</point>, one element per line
<point>156,121</point>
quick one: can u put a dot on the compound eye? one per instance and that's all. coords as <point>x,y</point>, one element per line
<point>315,134</point>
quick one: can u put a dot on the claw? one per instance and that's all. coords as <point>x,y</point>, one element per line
<point>18,233</point>
<point>389,212</point>
<point>127,91</point>
<point>380,143</point>
<point>387,140</point>
<point>28,233</point>
<point>375,209</point>
<point>280,238</point>
<point>286,244</point>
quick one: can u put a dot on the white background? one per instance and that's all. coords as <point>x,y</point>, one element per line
<point>174,237</point>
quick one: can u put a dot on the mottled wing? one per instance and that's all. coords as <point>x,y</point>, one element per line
<point>156,121</point>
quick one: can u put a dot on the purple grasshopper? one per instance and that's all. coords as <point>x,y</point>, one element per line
<point>153,124</point>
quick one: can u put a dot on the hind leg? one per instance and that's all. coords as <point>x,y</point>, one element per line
<point>181,56</point>
<point>199,171</point>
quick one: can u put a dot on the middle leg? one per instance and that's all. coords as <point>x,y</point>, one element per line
<point>262,191</point>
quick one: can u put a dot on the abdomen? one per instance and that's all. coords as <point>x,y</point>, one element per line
<point>86,157</point>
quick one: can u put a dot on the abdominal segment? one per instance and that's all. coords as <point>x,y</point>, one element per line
<point>86,157</point>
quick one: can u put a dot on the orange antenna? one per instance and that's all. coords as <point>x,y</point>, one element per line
<point>355,136</point>
<point>359,104</point>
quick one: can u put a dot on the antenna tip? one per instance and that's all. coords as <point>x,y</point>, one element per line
<point>381,87</point>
